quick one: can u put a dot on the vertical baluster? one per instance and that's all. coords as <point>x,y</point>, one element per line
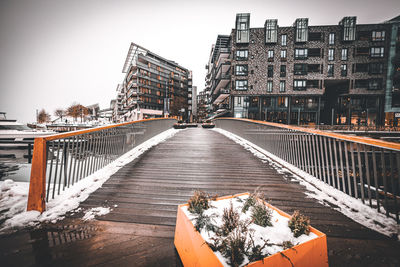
<point>336,163</point>
<point>343,186</point>
<point>309,153</point>
<point>83,156</point>
<point>394,191</point>
<point>375,178</point>
<point>303,159</point>
<point>360,171</point>
<point>323,159</point>
<point>346,154</point>
<point>73,158</point>
<point>56,171</point>
<point>318,155</point>
<point>66,162</point>
<point>51,169</point>
<point>367,171</point>
<point>327,171</point>
<point>61,165</point>
<point>354,170</point>
<point>314,145</point>
<point>333,182</point>
<point>383,162</point>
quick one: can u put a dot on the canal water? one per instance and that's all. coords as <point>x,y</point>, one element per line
<point>14,166</point>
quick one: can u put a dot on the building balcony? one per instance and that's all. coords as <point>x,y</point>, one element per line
<point>220,96</point>
<point>132,92</point>
<point>222,82</point>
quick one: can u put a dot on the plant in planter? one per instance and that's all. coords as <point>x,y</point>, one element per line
<point>243,229</point>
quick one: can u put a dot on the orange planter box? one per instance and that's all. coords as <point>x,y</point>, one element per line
<point>193,250</point>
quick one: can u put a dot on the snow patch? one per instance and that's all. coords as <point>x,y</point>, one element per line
<point>324,193</point>
<point>93,212</point>
<point>14,195</point>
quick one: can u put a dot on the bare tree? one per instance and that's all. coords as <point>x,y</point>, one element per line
<point>43,116</point>
<point>77,110</point>
<point>59,113</point>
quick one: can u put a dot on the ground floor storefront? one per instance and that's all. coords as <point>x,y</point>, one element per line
<point>359,110</point>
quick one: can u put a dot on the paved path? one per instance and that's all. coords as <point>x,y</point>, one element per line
<point>139,230</point>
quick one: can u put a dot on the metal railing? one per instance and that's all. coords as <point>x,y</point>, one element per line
<point>364,168</point>
<point>61,160</point>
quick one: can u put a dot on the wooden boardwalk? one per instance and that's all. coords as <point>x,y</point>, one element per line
<point>144,196</point>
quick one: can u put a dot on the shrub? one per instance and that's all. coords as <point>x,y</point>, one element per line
<point>198,202</point>
<point>202,220</point>
<point>299,224</point>
<point>252,200</point>
<point>261,215</point>
<point>230,220</point>
<point>233,246</point>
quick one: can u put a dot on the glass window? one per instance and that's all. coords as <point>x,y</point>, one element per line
<point>330,70</point>
<point>271,31</point>
<point>269,86</point>
<point>375,84</point>
<point>283,39</point>
<point>299,85</point>
<point>349,28</point>
<point>241,70</point>
<point>301,30</point>
<point>242,54</point>
<point>343,70</point>
<point>283,71</point>
<point>270,54</point>
<point>242,28</point>
<point>376,68</point>
<point>331,40</point>
<point>270,72</point>
<point>377,51</point>
<point>282,86</point>
<point>283,54</point>
<point>378,36</point>
<point>241,84</point>
<point>300,53</point>
<point>331,54</point>
<point>344,53</point>
<point>300,69</point>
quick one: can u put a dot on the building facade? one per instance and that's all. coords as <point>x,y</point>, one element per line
<point>202,106</point>
<point>331,74</point>
<point>152,87</point>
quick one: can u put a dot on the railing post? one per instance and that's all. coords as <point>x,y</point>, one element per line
<point>37,186</point>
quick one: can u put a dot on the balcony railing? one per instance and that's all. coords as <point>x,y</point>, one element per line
<point>61,160</point>
<point>364,168</point>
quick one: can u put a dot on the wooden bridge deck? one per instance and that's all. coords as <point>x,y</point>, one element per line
<point>144,196</point>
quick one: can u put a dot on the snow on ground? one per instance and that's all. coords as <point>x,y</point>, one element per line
<point>276,234</point>
<point>13,195</point>
<point>93,212</point>
<point>347,205</point>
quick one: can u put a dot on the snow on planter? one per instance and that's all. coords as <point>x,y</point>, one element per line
<point>273,244</point>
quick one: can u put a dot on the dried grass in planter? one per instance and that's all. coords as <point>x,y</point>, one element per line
<point>199,202</point>
<point>299,224</point>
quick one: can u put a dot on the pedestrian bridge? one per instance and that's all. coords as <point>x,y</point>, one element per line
<point>145,193</point>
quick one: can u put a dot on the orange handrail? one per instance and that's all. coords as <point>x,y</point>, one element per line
<point>357,139</point>
<point>37,184</point>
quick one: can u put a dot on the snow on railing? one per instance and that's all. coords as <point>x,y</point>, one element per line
<point>61,160</point>
<point>364,168</point>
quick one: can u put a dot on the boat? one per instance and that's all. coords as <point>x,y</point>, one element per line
<point>16,139</point>
<point>11,130</point>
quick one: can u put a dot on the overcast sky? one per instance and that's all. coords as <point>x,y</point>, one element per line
<point>53,53</point>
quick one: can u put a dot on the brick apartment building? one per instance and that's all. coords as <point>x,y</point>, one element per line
<point>152,87</point>
<point>333,74</point>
